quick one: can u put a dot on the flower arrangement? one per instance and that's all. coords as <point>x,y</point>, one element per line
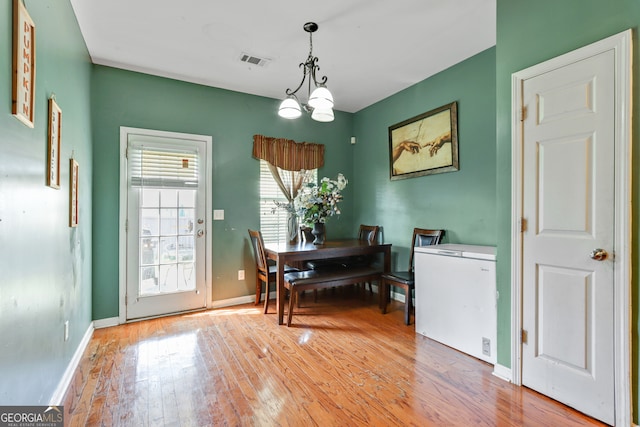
<point>315,203</point>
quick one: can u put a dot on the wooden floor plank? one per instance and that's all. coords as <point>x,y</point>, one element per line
<point>340,363</point>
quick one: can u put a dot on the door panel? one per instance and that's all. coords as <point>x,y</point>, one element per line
<point>568,187</point>
<point>166,244</point>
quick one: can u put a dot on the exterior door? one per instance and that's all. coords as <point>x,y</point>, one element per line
<point>568,240</point>
<point>165,225</point>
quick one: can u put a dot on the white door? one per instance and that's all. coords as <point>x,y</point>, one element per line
<point>165,225</point>
<point>567,246</point>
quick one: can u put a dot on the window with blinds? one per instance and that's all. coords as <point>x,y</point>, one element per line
<point>154,167</point>
<point>273,221</point>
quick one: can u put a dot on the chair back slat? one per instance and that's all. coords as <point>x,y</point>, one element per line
<point>368,232</point>
<point>424,237</point>
<point>257,243</point>
<point>307,235</point>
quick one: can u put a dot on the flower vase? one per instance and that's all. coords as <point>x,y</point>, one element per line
<point>318,233</point>
<point>292,228</point>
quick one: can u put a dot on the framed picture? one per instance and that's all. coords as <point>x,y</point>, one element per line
<point>73,193</point>
<point>24,64</point>
<point>425,144</point>
<point>53,152</point>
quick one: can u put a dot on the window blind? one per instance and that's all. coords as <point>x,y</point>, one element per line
<point>162,167</point>
<point>273,222</point>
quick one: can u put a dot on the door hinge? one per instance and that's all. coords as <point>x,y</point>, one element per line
<point>126,300</point>
<point>524,337</point>
<point>126,225</point>
<point>523,113</point>
<point>523,225</point>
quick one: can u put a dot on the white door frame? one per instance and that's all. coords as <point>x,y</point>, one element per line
<point>622,46</point>
<point>122,233</point>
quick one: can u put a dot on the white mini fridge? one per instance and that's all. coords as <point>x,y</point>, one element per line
<point>455,297</point>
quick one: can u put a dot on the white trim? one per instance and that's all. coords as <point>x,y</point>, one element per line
<point>57,399</point>
<point>122,243</point>
<point>106,323</point>
<point>502,372</point>
<point>247,299</point>
<point>621,44</point>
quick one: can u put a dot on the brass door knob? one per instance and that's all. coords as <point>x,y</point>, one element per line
<point>598,254</point>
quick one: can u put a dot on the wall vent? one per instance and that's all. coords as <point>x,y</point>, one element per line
<point>254,60</point>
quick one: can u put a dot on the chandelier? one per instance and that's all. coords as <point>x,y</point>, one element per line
<point>320,101</point>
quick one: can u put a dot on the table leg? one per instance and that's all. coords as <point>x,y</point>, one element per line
<point>387,259</point>
<point>383,289</point>
<point>280,290</point>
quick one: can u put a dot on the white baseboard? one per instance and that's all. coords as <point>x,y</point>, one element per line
<point>57,399</point>
<point>502,372</point>
<point>105,323</point>
<point>235,301</point>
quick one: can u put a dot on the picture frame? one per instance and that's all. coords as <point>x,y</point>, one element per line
<point>53,145</point>
<point>425,144</point>
<point>74,178</point>
<point>24,65</point>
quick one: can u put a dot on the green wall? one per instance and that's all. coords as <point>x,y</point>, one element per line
<point>45,264</point>
<point>122,98</point>
<point>461,202</point>
<point>529,33</point>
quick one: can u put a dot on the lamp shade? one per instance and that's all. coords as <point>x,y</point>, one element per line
<point>322,114</point>
<point>321,98</point>
<point>289,109</point>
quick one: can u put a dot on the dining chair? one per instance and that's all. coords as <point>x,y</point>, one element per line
<point>406,279</point>
<point>266,271</point>
<point>365,232</point>
<point>306,234</point>
<point>369,233</point>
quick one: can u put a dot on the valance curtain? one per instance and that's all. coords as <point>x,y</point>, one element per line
<point>296,158</point>
<point>288,154</point>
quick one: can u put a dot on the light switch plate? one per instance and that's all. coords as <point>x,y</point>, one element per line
<point>218,214</point>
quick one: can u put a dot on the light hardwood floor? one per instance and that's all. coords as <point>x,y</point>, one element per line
<point>341,363</point>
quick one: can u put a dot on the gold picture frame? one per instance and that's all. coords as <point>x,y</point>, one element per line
<point>24,65</point>
<point>74,205</point>
<point>425,144</point>
<point>54,138</point>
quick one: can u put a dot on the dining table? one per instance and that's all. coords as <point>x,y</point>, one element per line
<point>284,253</point>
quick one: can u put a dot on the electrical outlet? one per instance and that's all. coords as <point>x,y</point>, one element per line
<point>66,330</point>
<point>486,346</point>
<point>240,274</point>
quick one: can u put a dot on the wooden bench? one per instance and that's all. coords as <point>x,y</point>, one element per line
<point>307,280</point>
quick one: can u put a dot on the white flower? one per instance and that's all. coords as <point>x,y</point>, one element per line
<point>315,203</point>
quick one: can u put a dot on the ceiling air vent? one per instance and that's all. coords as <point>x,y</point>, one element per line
<point>253,60</point>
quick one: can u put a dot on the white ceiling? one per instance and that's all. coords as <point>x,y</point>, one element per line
<point>368,49</point>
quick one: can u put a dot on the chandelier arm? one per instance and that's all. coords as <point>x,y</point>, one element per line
<point>290,92</point>
<point>315,68</point>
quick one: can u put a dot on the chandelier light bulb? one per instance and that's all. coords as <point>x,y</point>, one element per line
<point>322,114</point>
<point>289,109</point>
<point>321,98</point>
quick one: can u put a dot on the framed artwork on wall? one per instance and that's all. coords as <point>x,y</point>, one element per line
<point>53,152</point>
<point>425,144</point>
<point>73,193</point>
<point>24,64</point>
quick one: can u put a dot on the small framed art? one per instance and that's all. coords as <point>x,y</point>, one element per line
<point>24,64</point>
<point>425,144</point>
<point>73,193</point>
<point>53,146</point>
